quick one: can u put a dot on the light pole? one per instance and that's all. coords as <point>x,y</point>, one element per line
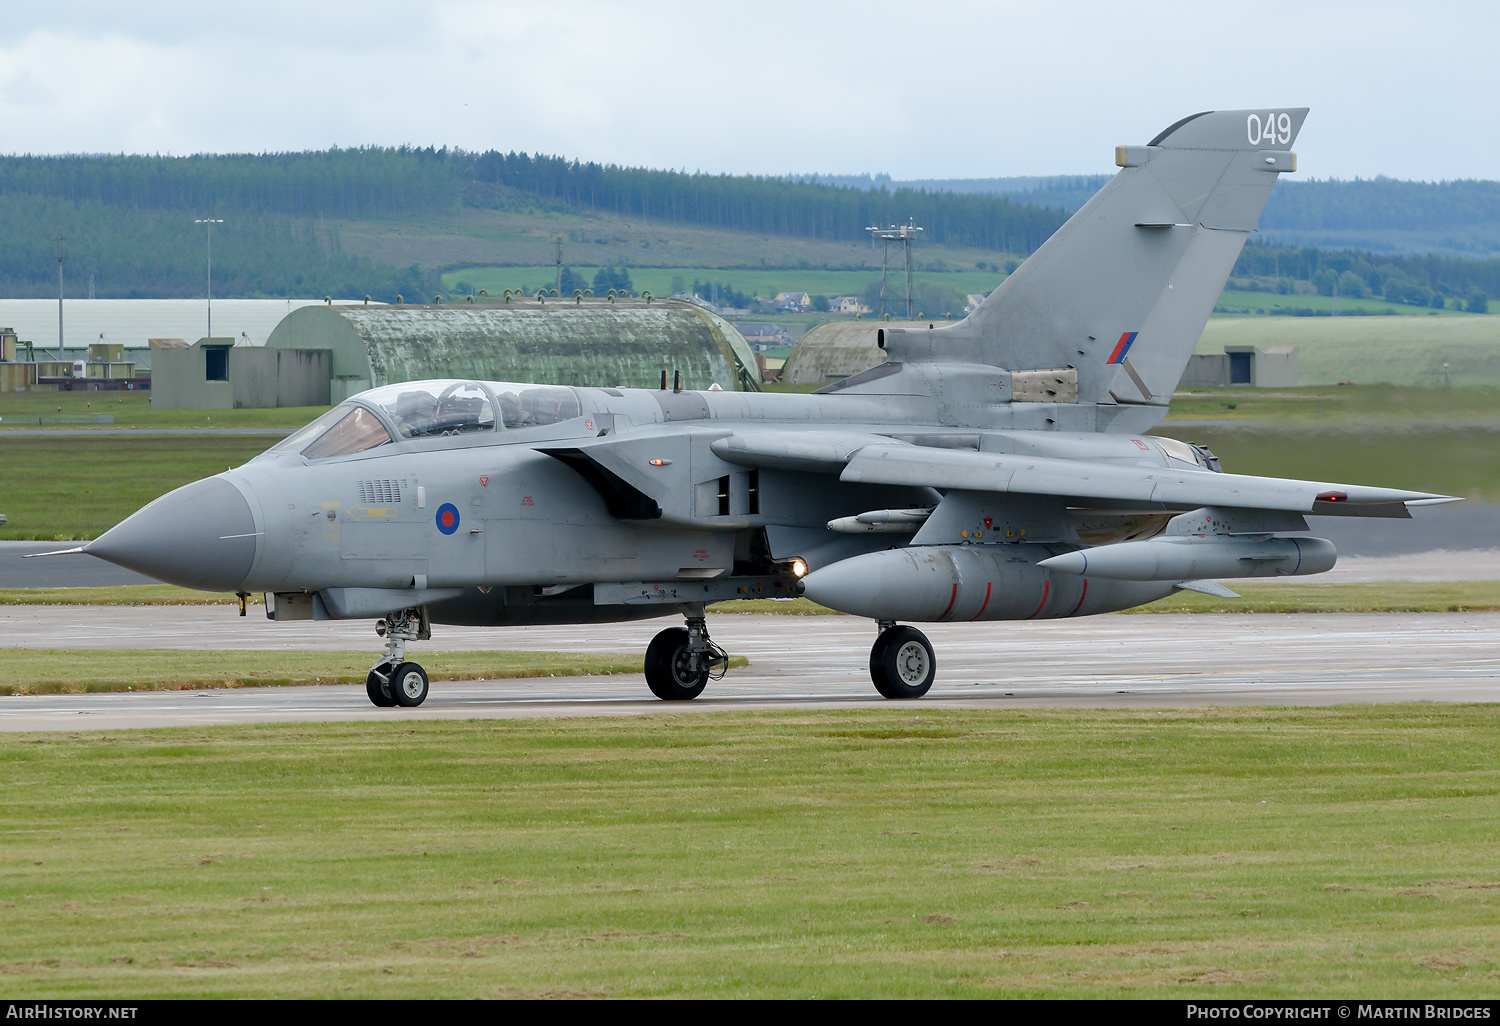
<point>59,253</point>
<point>210,221</point>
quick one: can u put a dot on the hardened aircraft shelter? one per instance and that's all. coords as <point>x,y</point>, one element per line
<point>597,342</point>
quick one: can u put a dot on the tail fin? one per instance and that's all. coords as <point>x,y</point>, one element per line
<point>1122,291</point>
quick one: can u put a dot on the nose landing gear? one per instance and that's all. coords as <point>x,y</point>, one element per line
<point>393,681</point>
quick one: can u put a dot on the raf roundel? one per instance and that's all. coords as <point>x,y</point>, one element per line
<point>447,518</point>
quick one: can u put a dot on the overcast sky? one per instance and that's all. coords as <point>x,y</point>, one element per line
<point>916,89</point>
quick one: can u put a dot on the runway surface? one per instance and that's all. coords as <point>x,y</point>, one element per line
<point>806,662</point>
<point>16,571</point>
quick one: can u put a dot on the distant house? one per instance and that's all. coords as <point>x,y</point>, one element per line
<point>699,301</point>
<point>847,305</point>
<point>792,301</point>
<point>765,336</point>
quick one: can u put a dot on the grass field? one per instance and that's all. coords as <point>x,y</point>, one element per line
<point>41,671</point>
<point>125,595</point>
<point>1343,408</point>
<point>1451,462</point>
<point>1269,303</point>
<point>765,283</point>
<point>490,238</point>
<point>1213,853</point>
<point>1303,595</point>
<point>76,486</point>
<point>134,410</point>
<point>1368,350</point>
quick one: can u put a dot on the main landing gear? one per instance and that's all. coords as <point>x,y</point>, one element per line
<point>393,681</point>
<point>901,663</point>
<point>680,661</point>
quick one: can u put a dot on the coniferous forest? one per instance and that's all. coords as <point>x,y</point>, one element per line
<point>130,219</point>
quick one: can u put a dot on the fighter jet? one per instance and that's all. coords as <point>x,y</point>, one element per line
<point>997,468</point>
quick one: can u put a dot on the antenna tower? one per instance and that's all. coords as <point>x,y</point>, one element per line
<point>890,274</point>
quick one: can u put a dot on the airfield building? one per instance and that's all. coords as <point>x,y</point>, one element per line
<point>838,349</point>
<point>1271,367</point>
<point>336,351</point>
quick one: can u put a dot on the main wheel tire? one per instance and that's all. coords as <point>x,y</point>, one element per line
<point>379,691</point>
<point>669,672</point>
<point>409,685</point>
<point>902,664</point>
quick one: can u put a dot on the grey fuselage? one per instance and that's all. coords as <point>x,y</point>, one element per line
<point>532,517</point>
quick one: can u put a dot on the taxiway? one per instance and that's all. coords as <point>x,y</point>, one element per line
<point>807,662</point>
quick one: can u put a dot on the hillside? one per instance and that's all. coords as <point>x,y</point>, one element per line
<point>387,222</point>
<point>1381,215</point>
<point>129,220</point>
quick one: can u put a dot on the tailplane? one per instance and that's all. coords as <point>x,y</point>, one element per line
<point>1119,295</point>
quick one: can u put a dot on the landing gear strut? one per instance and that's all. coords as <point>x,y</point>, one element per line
<point>680,661</point>
<point>394,681</point>
<point>901,663</point>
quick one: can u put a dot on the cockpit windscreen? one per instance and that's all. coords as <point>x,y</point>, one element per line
<point>424,408</point>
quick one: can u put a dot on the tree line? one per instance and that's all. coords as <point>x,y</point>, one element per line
<point>135,254</point>
<point>398,181</point>
<point>1413,279</point>
<point>130,218</point>
<point>774,206</point>
<point>1380,204</point>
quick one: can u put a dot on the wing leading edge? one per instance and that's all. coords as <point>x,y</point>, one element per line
<point>1147,488</point>
<point>872,459</point>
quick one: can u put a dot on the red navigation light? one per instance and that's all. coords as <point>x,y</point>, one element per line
<point>1333,496</point>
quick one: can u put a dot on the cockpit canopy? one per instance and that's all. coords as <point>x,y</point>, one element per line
<point>426,409</point>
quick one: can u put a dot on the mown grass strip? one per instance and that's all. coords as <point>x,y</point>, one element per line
<point>42,671</point>
<point>20,410</point>
<point>123,595</point>
<point>1279,597</point>
<point>1220,853</point>
<point>78,487</point>
<point>1369,597</point>
<point>782,607</point>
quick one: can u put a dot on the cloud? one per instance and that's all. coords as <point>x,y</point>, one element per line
<point>954,89</point>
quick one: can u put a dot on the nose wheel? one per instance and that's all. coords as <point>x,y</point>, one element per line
<point>901,662</point>
<point>394,681</point>
<point>378,687</point>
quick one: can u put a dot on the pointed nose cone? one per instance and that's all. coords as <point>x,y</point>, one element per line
<point>200,536</point>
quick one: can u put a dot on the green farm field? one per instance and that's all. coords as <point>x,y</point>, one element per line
<point>1369,350</point>
<point>21,410</point>
<point>75,486</point>
<point>897,853</point>
<point>1460,461</point>
<point>1236,303</point>
<point>475,238</point>
<point>1342,408</point>
<point>763,282</point>
<point>40,671</point>
<point>1298,595</point>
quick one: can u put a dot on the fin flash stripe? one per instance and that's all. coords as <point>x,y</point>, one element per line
<point>1122,347</point>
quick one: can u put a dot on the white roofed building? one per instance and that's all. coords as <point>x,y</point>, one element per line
<point>133,322</point>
